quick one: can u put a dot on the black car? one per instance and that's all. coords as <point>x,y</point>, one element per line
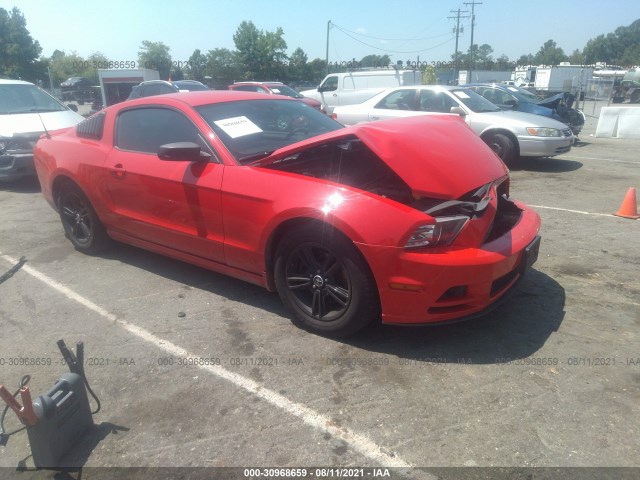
<point>77,89</point>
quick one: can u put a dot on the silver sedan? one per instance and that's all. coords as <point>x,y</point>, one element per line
<point>510,134</point>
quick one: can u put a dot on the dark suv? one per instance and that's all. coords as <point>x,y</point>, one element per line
<point>161,87</point>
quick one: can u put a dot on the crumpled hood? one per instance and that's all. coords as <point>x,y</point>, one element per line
<point>437,156</point>
<point>553,101</point>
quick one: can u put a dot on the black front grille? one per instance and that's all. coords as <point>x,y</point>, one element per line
<point>566,132</point>
<point>507,215</point>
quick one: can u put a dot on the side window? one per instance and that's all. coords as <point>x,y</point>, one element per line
<point>431,101</point>
<point>398,100</point>
<point>146,129</point>
<point>261,90</point>
<point>330,84</point>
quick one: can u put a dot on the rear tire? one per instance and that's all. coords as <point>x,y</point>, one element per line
<point>80,222</point>
<point>325,282</point>
<point>503,146</point>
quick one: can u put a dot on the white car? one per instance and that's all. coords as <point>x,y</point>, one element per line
<point>510,134</point>
<point>26,112</point>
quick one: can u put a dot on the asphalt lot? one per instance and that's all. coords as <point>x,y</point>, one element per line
<point>550,378</point>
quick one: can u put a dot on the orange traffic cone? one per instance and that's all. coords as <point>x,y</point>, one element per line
<point>629,208</point>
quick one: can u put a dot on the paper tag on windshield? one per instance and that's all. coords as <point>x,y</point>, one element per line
<point>461,94</point>
<point>238,126</point>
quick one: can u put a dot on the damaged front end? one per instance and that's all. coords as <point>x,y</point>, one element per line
<point>562,105</point>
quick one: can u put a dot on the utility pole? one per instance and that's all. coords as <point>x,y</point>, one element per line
<point>457,29</point>
<point>326,58</point>
<point>473,22</point>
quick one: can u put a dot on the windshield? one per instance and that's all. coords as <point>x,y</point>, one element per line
<point>253,129</point>
<point>475,102</point>
<point>26,99</point>
<point>523,95</point>
<point>284,90</point>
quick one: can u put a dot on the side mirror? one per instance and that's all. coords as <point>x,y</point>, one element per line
<point>182,152</point>
<point>511,103</point>
<point>73,107</point>
<point>458,111</point>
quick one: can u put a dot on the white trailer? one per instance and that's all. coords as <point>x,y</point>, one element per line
<point>562,78</point>
<point>116,84</point>
<point>484,76</point>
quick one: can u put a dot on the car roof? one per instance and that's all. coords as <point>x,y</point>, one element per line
<point>198,98</point>
<point>258,83</point>
<point>146,82</point>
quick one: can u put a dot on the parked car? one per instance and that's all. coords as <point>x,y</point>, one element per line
<point>509,97</point>
<point>349,88</point>
<point>276,88</point>
<point>26,112</point>
<point>190,86</point>
<point>408,220</point>
<point>509,134</point>
<point>77,89</point>
<point>163,87</point>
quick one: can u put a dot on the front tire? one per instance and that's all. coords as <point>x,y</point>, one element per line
<point>323,280</point>
<point>503,146</point>
<point>80,222</point>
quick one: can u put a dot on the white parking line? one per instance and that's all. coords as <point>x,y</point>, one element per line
<point>575,211</point>
<point>358,442</point>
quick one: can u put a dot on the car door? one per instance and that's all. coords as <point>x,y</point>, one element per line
<point>176,204</point>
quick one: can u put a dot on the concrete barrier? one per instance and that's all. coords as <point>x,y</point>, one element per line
<point>619,122</point>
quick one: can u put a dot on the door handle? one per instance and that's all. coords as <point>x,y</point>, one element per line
<point>118,171</point>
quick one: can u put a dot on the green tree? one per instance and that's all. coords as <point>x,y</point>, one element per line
<point>316,69</point>
<point>18,51</point>
<point>197,66</point>
<point>429,75</point>
<point>262,54</point>
<point>618,47</point>
<point>222,67</point>
<point>65,65</point>
<point>526,60</point>
<point>155,56</point>
<point>297,70</point>
<point>576,58</point>
<point>374,61</point>
<point>550,54</point>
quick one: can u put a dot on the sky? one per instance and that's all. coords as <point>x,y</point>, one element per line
<point>404,30</point>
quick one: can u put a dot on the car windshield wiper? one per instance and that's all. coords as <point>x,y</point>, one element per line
<point>254,158</point>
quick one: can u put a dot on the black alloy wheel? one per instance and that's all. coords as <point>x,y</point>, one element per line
<point>324,280</point>
<point>80,222</point>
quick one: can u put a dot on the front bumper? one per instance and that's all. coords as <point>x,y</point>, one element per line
<point>428,287</point>
<point>544,146</point>
<point>16,165</point>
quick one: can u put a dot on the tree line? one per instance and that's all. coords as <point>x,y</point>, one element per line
<point>262,55</point>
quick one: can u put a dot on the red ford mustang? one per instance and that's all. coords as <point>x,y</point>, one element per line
<point>407,220</point>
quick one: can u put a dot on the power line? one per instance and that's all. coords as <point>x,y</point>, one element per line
<point>388,39</point>
<point>387,50</point>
